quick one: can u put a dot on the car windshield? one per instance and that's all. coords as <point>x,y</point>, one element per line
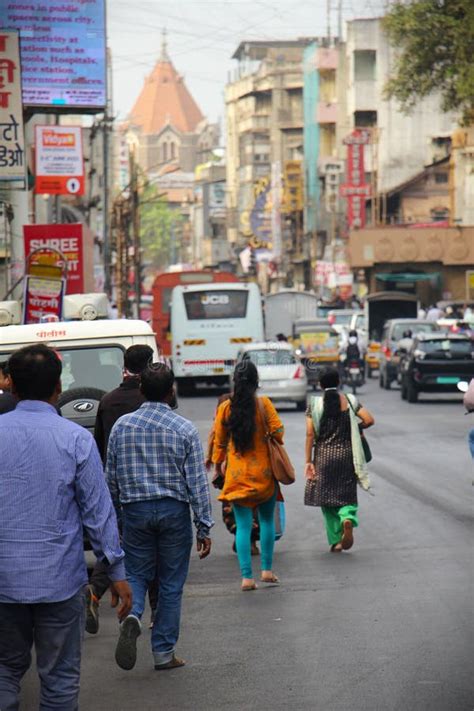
<point>89,367</point>
<point>270,357</point>
<point>413,326</point>
<point>449,346</point>
<point>341,319</point>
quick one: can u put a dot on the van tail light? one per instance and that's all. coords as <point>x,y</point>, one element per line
<point>299,373</point>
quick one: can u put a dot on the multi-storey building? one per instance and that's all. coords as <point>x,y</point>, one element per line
<point>264,124</point>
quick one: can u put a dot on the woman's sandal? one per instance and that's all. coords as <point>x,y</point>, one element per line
<point>336,548</point>
<point>273,580</point>
<point>347,540</point>
<point>248,587</point>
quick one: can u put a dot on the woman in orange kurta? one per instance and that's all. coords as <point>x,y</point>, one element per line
<point>249,481</point>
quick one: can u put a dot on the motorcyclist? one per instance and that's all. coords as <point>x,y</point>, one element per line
<point>406,341</point>
<point>351,351</point>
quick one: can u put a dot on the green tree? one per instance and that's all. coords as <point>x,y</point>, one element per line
<point>157,223</point>
<point>435,39</point>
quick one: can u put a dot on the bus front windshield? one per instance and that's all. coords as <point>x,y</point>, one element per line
<point>216,304</point>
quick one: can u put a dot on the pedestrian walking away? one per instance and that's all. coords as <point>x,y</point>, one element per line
<point>248,478</point>
<point>53,485</point>
<point>155,471</point>
<point>124,399</point>
<point>7,400</point>
<point>335,459</point>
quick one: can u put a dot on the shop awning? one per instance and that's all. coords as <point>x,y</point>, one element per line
<point>409,277</point>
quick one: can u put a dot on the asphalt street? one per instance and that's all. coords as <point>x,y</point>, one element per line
<point>384,627</point>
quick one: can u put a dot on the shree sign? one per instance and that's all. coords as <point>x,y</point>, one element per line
<point>355,189</point>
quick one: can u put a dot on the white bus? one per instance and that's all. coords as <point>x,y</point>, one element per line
<point>209,324</point>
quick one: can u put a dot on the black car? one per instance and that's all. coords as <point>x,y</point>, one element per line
<point>392,334</point>
<point>436,362</point>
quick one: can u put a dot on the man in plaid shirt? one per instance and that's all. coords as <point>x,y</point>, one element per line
<point>155,471</point>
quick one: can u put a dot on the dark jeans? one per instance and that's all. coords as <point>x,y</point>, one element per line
<point>157,540</point>
<point>56,630</point>
<point>99,579</point>
<point>471,442</point>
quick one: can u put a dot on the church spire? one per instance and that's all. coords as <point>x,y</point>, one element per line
<point>164,56</point>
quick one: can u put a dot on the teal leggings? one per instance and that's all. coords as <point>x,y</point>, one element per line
<point>243,519</point>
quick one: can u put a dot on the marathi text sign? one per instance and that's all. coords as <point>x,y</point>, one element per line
<point>12,141</point>
<point>67,239</point>
<point>59,161</point>
<point>355,189</point>
<point>63,51</point>
<point>43,299</point>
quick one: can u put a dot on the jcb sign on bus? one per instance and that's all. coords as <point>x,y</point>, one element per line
<point>215,300</point>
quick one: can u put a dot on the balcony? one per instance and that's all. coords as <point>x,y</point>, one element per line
<point>326,59</point>
<point>326,113</point>
<point>290,119</point>
<point>254,123</point>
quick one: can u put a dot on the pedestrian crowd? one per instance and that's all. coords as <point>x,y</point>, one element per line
<point>128,493</point>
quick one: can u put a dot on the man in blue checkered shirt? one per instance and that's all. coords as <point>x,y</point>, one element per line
<point>155,471</point>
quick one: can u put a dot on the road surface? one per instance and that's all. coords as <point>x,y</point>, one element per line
<point>384,627</point>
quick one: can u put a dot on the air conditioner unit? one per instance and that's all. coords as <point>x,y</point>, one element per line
<point>85,307</point>
<point>10,313</point>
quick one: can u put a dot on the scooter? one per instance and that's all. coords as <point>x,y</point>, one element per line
<point>353,375</point>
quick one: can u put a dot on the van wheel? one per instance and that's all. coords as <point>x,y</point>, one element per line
<point>186,387</point>
<point>80,405</point>
<point>386,381</point>
<point>301,406</point>
<point>381,379</point>
<point>403,389</point>
<point>412,392</point>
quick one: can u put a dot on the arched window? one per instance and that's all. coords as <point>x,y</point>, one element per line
<point>173,150</point>
<point>165,152</point>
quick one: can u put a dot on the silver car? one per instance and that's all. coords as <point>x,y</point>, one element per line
<point>281,374</point>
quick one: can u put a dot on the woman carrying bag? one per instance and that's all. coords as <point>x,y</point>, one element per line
<point>335,459</point>
<point>240,439</point>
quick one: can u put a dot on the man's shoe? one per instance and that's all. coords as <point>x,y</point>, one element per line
<point>126,650</point>
<point>174,663</point>
<point>92,611</point>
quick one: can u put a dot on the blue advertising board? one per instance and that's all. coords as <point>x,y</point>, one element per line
<point>63,51</point>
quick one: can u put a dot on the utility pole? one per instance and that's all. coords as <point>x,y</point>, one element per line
<point>135,224</point>
<point>108,117</point>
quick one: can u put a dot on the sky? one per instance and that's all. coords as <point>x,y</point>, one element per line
<point>202,35</point>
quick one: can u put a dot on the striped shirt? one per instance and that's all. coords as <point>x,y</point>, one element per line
<point>154,453</point>
<point>51,485</point>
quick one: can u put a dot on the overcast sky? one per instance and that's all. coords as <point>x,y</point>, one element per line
<point>202,36</point>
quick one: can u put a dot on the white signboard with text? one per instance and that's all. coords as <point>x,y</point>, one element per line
<point>12,140</point>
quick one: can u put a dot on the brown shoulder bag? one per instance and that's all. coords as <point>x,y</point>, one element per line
<point>282,468</point>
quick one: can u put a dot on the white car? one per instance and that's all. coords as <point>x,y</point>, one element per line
<point>281,374</point>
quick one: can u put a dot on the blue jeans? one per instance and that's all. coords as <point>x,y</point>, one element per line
<point>157,540</point>
<point>471,442</point>
<point>56,630</point>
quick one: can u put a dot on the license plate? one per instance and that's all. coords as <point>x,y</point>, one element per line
<point>218,370</point>
<point>448,380</point>
<point>354,371</point>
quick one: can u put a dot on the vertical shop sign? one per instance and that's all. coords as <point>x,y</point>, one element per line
<point>12,141</point>
<point>67,239</point>
<point>355,189</point>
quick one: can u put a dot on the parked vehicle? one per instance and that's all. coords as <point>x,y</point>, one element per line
<point>318,346</point>
<point>92,357</point>
<point>209,324</point>
<point>162,290</point>
<point>389,355</point>
<point>437,362</point>
<point>281,374</point>
<point>284,307</point>
<point>379,308</point>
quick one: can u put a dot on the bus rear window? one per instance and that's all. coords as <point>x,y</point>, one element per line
<point>204,305</point>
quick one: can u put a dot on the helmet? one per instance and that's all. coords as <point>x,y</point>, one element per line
<point>408,333</point>
<point>353,333</point>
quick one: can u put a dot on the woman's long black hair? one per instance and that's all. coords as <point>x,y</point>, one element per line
<point>243,406</point>
<point>332,403</point>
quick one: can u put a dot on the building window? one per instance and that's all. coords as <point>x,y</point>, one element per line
<point>441,177</point>
<point>364,64</point>
<point>173,150</point>
<point>440,213</point>
<point>365,119</point>
<point>165,152</point>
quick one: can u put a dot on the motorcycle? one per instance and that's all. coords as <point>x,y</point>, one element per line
<point>354,377</point>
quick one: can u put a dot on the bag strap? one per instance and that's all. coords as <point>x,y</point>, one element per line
<point>263,415</point>
<point>349,400</point>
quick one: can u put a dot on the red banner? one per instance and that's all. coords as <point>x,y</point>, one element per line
<point>43,299</point>
<point>355,189</point>
<point>68,239</point>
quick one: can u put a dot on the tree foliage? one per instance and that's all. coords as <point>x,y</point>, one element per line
<point>157,224</point>
<point>435,39</point>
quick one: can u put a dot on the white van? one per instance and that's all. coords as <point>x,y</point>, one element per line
<point>209,325</point>
<point>91,353</point>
